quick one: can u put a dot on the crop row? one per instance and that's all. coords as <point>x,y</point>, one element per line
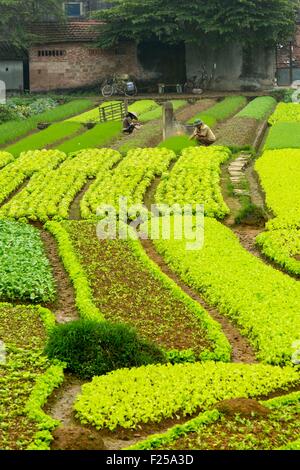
<point>205,431</point>
<point>156,113</point>
<point>17,172</point>
<point>279,173</point>
<point>13,130</point>
<point>50,192</point>
<point>139,107</point>
<point>283,135</point>
<point>128,287</point>
<point>129,398</point>
<point>240,131</point>
<point>262,301</point>
<point>283,247</point>
<point>27,379</point>
<point>195,179</point>
<point>222,110</point>
<point>101,135</point>
<point>286,112</point>
<point>54,133</point>
<point>25,272</point>
<point>130,180</point>
<point>5,159</point>
<point>259,108</point>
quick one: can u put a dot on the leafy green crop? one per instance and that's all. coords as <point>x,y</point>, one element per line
<point>286,112</point>
<point>129,288</point>
<point>283,247</point>
<point>16,173</point>
<point>220,111</point>
<point>177,143</point>
<point>12,130</point>
<point>50,193</point>
<point>279,173</point>
<point>128,398</point>
<point>263,302</point>
<point>45,138</point>
<point>283,135</point>
<point>5,159</point>
<point>25,272</point>
<point>91,116</point>
<point>101,135</point>
<point>23,387</point>
<point>213,429</point>
<point>260,108</point>
<point>195,179</point>
<point>83,294</point>
<point>129,179</point>
<point>143,106</point>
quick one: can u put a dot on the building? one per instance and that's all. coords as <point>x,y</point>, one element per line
<point>288,59</point>
<point>65,56</point>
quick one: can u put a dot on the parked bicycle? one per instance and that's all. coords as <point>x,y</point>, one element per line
<point>118,85</point>
<point>199,83</point>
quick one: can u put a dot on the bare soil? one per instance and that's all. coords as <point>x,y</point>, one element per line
<point>64,308</point>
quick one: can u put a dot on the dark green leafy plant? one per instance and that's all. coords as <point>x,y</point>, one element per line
<point>94,348</point>
<point>25,272</point>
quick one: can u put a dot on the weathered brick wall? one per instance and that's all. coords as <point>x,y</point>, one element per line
<point>79,65</point>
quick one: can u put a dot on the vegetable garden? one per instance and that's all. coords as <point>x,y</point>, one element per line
<point>154,333</point>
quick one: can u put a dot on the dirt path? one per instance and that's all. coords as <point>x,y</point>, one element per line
<point>64,308</point>
<point>74,213</point>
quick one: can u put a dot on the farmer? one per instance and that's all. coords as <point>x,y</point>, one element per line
<point>203,133</point>
<point>130,123</point>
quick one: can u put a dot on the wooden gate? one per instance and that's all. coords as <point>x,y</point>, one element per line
<point>113,111</point>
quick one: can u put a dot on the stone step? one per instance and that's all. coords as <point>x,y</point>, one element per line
<point>241,192</point>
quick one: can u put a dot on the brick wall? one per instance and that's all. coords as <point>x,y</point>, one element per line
<point>75,65</point>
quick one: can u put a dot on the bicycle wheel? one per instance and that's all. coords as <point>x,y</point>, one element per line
<point>107,91</point>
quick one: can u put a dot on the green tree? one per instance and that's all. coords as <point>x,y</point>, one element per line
<point>246,21</point>
<point>16,17</point>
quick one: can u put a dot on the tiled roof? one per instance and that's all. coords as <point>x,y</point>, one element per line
<point>70,31</point>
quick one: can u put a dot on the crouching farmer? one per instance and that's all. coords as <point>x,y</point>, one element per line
<point>203,134</point>
<point>130,123</point>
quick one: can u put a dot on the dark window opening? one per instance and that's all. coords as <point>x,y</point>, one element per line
<point>53,53</point>
<point>73,10</point>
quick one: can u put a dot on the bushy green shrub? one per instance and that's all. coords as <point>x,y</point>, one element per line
<point>95,348</point>
<point>6,114</point>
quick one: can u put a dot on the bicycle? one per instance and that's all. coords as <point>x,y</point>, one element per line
<point>199,82</point>
<point>118,86</point>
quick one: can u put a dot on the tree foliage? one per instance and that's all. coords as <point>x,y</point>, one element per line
<point>16,16</point>
<point>246,21</point>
